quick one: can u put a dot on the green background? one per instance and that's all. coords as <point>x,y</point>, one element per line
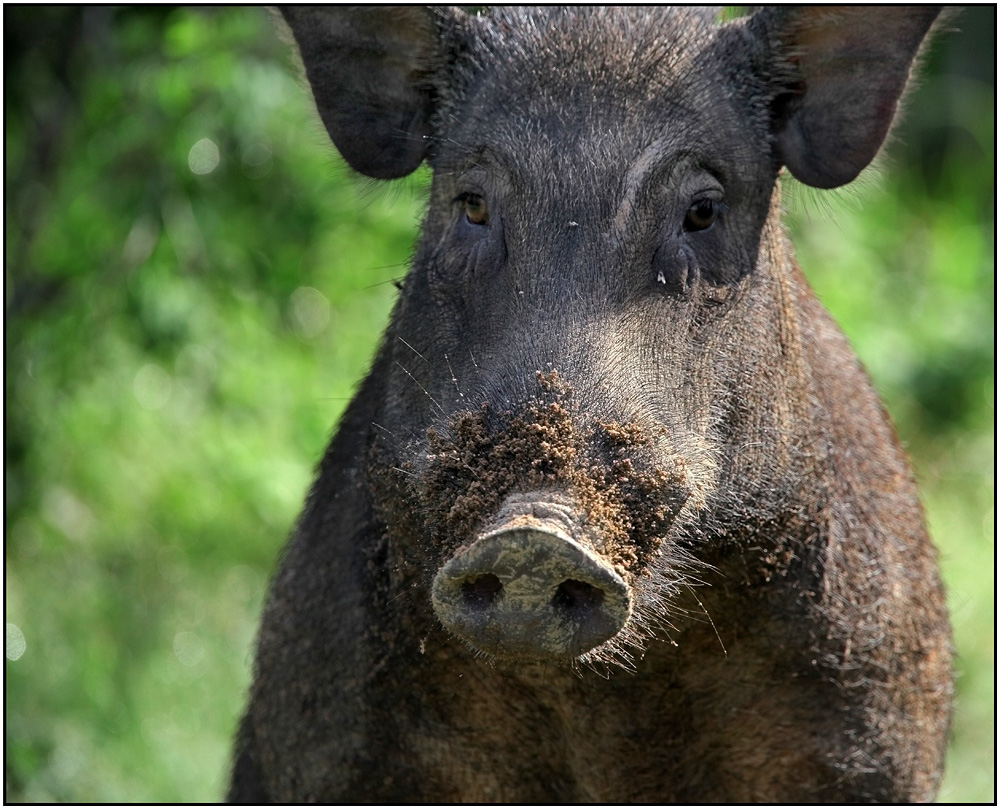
<point>194,284</point>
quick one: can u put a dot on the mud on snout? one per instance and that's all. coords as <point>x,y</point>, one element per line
<point>553,529</point>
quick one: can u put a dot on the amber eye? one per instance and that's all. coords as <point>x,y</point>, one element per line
<point>701,215</point>
<point>476,210</point>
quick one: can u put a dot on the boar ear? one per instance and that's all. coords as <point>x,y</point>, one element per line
<point>839,72</point>
<point>370,70</point>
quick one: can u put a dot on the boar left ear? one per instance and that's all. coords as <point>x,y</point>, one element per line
<point>370,69</point>
<point>838,72</point>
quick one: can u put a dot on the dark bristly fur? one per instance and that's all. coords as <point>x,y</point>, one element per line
<point>604,307</point>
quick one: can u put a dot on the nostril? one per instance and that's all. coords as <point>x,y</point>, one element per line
<point>577,598</point>
<point>481,591</point>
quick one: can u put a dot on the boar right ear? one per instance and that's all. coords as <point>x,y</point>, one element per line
<point>838,73</point>
<point>370,69</point>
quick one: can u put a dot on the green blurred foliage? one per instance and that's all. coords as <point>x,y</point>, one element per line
<point>194,284</point>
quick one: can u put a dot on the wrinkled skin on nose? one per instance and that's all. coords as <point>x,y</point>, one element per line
<point>528,588</point>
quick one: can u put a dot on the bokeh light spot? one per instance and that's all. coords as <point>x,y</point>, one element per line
<point>152,386</point>
<point>203,157</point>
<point>14,643</point>
<point>310,312</point>
<point>188,648</point>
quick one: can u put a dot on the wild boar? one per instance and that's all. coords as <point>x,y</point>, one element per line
<point>616,514</point>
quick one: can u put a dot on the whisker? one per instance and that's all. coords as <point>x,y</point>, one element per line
<point>394,281</point>
<point>411,349</point>
<point>453,379</point>
<point>426,392</point>
<point>709,617</point>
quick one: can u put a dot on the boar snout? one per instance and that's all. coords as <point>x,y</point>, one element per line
<point>527,588</point>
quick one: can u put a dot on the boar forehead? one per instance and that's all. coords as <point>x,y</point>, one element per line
<point>571,100</point>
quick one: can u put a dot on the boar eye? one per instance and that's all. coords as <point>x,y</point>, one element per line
<point>476,210</point>
<point>701,215</point>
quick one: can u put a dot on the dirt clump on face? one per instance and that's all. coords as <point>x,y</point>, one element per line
<point>626,493</point>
